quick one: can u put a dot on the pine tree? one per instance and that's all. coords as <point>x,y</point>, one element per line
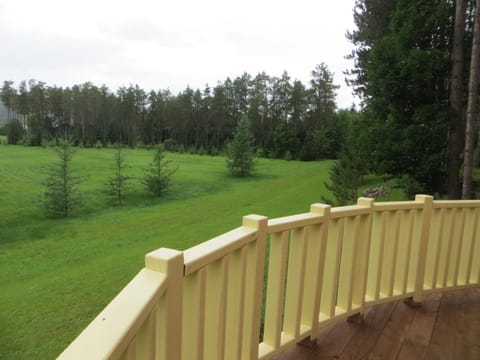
<point>472,109</point>
<point>346,176</point>
<point>158,175</point>
<point>61,194</point>
<point>240,156</point>
<point>118,183</point>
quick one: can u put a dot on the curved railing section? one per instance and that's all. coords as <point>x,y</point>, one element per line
<point>288,276</point>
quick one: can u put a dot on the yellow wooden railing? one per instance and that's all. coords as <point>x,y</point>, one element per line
<point>321,266</point>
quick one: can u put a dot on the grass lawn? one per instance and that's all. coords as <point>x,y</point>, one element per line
<point>56,275</point>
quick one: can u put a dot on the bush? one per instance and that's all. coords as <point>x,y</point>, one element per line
<point>170,145</point>
<point>288,156</point>
<point>213,151</point>
<point>201,150</point>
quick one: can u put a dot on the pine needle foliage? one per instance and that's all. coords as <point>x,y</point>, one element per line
<point>158,175</point>
<point>60,194</point>
<point>346,177</point>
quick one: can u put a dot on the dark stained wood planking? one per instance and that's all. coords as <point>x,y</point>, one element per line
<point>447,326</point>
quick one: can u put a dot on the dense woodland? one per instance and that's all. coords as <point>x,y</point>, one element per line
<point>415,74</point>
<point>416,71</point>
<point>288,118</point>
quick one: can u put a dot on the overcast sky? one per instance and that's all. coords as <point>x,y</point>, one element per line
<point>159,44</point>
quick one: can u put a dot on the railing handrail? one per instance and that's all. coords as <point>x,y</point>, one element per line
<point>121,319</point>
<point>323,265</point>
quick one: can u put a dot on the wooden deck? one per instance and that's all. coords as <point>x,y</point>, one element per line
<point>447,326</point>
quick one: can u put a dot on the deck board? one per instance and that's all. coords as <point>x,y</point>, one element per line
<point>446,326</point>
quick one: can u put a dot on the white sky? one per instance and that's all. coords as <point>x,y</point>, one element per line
<point>159,45</point>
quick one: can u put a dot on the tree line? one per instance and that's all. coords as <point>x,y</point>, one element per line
<point>288,118</point>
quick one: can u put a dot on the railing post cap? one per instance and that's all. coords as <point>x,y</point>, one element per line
<point>365,201</point>
<point>159,259</point>
<point>254,221</point>
<point>423,197</point>
<point>321,209</point>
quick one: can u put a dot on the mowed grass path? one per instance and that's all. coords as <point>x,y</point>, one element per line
<point>56,275</point>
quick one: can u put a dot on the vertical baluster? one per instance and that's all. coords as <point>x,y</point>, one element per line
<point>215,299</point>
<point>376,255</point>
<point>475,269</point>
<point>235,304</point>
<point>275,289</point>
<point>474,234</point>
<point>396,224</point>
<point>295,280</point>
<point>433,250</point>
<point>409,282</point>
<point>402,244</point>
<point>457,249</point>
<point>145,339</point>
<point>414,250</point>
<point>391,235</point>
<point>131,352</point>
<point>193,316</point>
<point>347,264</point>
<point>441,251</point>
<point>386,269</point>
<point>332,265</point>
<point>450,230</point>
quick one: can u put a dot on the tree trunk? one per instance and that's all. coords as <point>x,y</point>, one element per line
<point>472,109</point>
<point>456,103</point>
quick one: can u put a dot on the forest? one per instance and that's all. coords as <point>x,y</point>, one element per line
<point>416,69</point>
<point>288,118</point>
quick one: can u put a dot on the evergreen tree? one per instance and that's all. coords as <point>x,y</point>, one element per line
<point>158,175</point>
<point>61,196</point>
<point>402,70</point>
<point>240,157</point>
<point>118,183</point>
<point>346,176</point>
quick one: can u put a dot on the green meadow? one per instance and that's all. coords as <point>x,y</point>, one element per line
<point>57,274</point>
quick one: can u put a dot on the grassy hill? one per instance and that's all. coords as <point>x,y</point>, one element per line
<point>56,275</point>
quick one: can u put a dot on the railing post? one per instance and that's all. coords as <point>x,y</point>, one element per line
<point>254,285</point>
<point>427,201</point>
<point>168,329</point>
<point>363,253</point>
<point>316,255</point>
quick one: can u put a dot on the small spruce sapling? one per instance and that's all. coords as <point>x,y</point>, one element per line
<point>240,155</point>
<point>60,194</point>
<point>158,175</point>
<point>117,184</point>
